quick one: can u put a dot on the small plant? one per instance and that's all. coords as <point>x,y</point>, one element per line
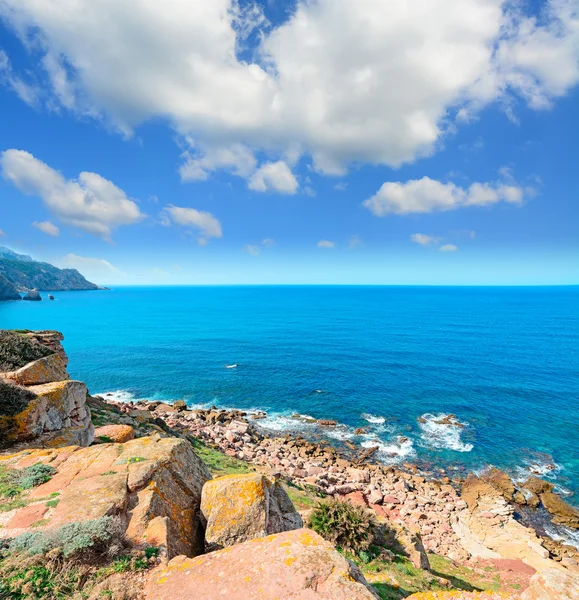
<point>151,551</point>
<point>35,475</point>
<point>40,523</point>
<point>52,503</point>
<point>105,439</point>
<point>345,525</point>
<point>14,482</point>
<point>108,473</point>
<point>135,459</point>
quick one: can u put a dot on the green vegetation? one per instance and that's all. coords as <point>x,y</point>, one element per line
<point>52,503</point>
<point>217,462</point>
<point>105,439</point>
<point>347,526</point>
<point>302,497</point>
<point>15,482</point>
<point>14,400</point>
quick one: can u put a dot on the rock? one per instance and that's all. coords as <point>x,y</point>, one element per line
<point>32,295</point>
<point>8,290</point>
<point>48,369</point>
<point>139,481</point>
<point>180,405</point>
<point>360,431</point>
<point>367,453</point>
<point>402,540</point>
<point>114,433</point>
<point>552,585</point>
<point>50,415</point>
<point>295,564</point>
<point>563,513</point>
<point>327,423</point>
<point>50,297</point>
<point>359,475</point>
<point>501,482</point>
<point>237,508</point>
<point>459,595</point>
<point>537,486</point>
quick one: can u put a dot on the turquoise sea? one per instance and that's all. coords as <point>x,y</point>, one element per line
<point>505,361</point>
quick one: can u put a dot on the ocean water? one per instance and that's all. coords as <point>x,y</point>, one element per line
<point>394,360</point>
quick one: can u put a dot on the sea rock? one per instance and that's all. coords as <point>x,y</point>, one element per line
<point>537,486</point>
<point>180,405</point>
<point>552,585</point>
<point>8,290</point>
<point>501,482</point>
<point>563,513</point>
<point>140,481</point>
<point>114,433</point>
<point>32,295</point>
<point>50,415</point>
<point>296,564</point>
<point>236,508</point>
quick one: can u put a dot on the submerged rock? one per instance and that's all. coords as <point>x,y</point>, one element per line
<point>237,508</point>
<point>294,564</point>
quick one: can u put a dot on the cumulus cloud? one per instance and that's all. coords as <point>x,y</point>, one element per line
<point>47,227</point>
<point>274,177</point>
<point>340,81</point>
<point>448,248</point>
<point>429,195</point>
<point>90,203</point>
<point>87,265</point>
<point>204,222</point>
<point>326,244</point>
<point>423,239</point>
<point>254,250</point>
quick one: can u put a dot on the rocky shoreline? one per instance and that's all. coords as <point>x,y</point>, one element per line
<point>437,507</point>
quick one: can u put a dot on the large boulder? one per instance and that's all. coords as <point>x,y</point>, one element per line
<point>154,484</point>
<point>114,433</point>
<point>552,585</point>
<point>237,508</point>
<point>296,564</point>
<point>32,295</point>
<point>44,370</point>
<point>50,415</point>
<point>563,513</point>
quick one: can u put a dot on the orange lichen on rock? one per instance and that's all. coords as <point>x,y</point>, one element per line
<point>114,433</point>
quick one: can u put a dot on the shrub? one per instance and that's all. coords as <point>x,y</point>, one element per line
<point>13,482</point>
<point>17,350</point>
<point>74,540</point>
<point>13,400</point>
<point>35,475</point>
<point>345,525</point>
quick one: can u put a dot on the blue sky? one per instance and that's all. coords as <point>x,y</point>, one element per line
<point>289,142</point>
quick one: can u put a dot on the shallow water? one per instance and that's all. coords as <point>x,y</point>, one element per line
<point>505,361</point>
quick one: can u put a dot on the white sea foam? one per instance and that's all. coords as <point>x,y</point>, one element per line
<point>563,534</point>
<point>392,451</point>
<point>447,436</point>
<point>118,396</point>
<point>374,419</point>
<point>287,422</point>
<point>234,366</point>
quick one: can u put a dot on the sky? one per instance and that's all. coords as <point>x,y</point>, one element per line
<point>302,142</point>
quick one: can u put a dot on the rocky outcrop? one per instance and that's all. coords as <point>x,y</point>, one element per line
<point>237,508</point>
<point>153,484</point>
<point>401,540</point>
<point>8,290</point>
<point>563,513</point>
<point>114,433</point>
<point>294,564</point>
<point>32,295</point>
<point>40,405</point>
<point>488,529</point>
<point>552,585</point>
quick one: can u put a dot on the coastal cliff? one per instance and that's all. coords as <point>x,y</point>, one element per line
<point>24,274</point>
<point>162,501</point>
<point>8,290</point>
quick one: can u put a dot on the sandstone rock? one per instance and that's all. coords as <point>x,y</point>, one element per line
<point>114,433</point>
<point>563,513</point>
<point>180,405</point>
<point>32,295</point>
<point>53,415</point>
<point>295,564</point>
<point>140,480</point>
<point>237,508</point>
<point>44,370</point>
<point>537,486</point>
<point>501,482</point>
<point>552,585</point>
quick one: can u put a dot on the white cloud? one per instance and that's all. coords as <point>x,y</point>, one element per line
<point>355,241</point>
<point>26,92</point>
<point>340,187</point>
<point>423,239</point>
<point>91,202</point>
<point>375,81</point>
<point>89,266</point>
<point>268,243</point>
<point>326,244</point>
<point>254,250</point>
<point>448,248</point>
<point>274,177</point>
<point>429,195</point>
<point>47,227</point>
<point>207,225</point>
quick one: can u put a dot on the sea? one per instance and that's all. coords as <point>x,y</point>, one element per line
<point>394,361</point>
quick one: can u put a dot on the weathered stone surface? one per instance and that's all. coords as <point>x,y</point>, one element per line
<point>114,433</point>
<point>55,415</point>
<point>44,370</point>
<point>139,480</point>
<point>552,585</point>
<point>563,513</point>
<point>402,540</point>
<point>501,482</point>
<point>295,564</point>
<point>8,290</point>
<point>237,508</point>
<point>537,486</point>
